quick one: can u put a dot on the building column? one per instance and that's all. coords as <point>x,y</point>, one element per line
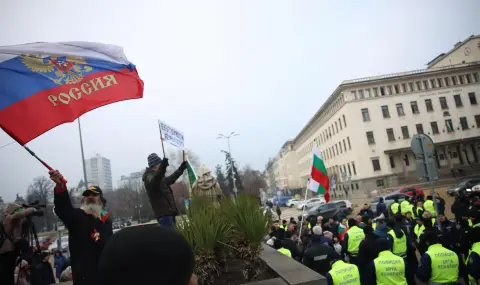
<point>448,156</point>
<point>463,154</point>
<point>404,165</point>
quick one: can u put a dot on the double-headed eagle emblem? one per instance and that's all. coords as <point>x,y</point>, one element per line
<point>61,70</point>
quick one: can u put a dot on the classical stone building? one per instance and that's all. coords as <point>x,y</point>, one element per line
<point>364,128</point>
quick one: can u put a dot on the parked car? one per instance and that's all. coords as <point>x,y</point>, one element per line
<point>310,202</point>
<point>388,200</point>
<point>347,203</point>
<point>281,200</point>
<point>328,210</point>
<point>410,190</point>
<point>294,202</point>
<point>463,186</point>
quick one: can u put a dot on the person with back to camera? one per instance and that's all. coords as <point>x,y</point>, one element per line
<point>158,189</point>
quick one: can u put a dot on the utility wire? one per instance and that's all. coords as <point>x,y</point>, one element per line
<point>5,145</point>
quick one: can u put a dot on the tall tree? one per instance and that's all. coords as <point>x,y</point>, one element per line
<point>232,171</point>
<point>41,190</point>
<point>19,199</point>
<point>1,200</point>
<point>221,179</point>
<point>253,180</point>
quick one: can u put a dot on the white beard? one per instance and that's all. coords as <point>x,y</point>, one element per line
<point>92,209</point>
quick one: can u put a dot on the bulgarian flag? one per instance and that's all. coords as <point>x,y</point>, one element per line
<point>192,176</point>
<point>319,178</point>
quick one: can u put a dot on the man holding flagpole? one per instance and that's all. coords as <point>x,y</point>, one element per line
<point>159,191</point>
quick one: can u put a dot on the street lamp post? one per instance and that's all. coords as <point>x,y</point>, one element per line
<point>222,136</point>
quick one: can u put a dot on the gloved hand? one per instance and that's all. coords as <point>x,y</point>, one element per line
<point>38,213</point>
<point>183,166</point>
<point>164,162</point>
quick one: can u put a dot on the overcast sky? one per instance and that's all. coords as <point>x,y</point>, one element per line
<point>259,68</point>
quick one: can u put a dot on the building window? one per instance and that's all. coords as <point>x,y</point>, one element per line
<point>460,79</point>
<point>389,88</point>
<point>340,146</point>
<point>376,164</point>
<point>340,123</point>
<point>414,106</point>
<point>344,121</point>
<point>469,78</point>
<point>434,126</point>
<point>475,77</point>
<point>432,83</point>
<point>390,135</point>
<point>370,138</point>
<point>477,121</point>
<point>439,83</point>
<point>473,98</point>
<point>447,81</point>
<point>360,94</point>
<point>428,105</point>
<point>349,170</point>
<point>354,169</point>
<point>336,148</point>
<point>404,87</point>
<point>385,112</point>
<point>382,91</point>
<point>449,125</point>
<point>349,145</point>
<point>392,162</point>
<point>400,111</point>
<point>405,133</point>
<point>410,85</point>
<point>454,80</point>
<point>397,89</point>
<point>458,100</point>
<point>464,123</point>
<point>375,91</point>
<point>419,128</point>
<point>405,158</point>
<point>336,126</point>
<point>425,84</point>
<point>367,93</point>
<point>419,85</point>
<point>365,115</point>
<point>354,93</point>
<point>443,103</point>
<point>344,145</point>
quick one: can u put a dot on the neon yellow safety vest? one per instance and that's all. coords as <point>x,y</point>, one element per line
<point>344,273</point>
<point>394,207</point>
<point>389,269</point>
<point>418,209</point>
<point>418,230</point>
<point>404,207</point>
<point>428,205</point>
<point>476,225</point>
<point>410,209</point>
<point>355,237</point>
<point>374,225</point>
<point>399,244</point>
<point>470,223</point>
<point>282,227</point>
<point>476,249</point>
<point>444,264</point>
<point>309,226</point>
<point>285,251</point>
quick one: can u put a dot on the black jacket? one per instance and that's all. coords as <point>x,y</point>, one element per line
<point>319,256</point>
<point>382,209</point>
<point>290,245</point>
<point>87,235</point>
<point>368,250</point>
<point>159,191</point>
<point>42,274</point>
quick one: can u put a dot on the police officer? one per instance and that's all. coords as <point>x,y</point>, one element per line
<point>352,240</point>
<point>418,209</point>
<point>473,258</point>
<point>394,208</point>
<point>277,244</point>
<point>387,268</point>
<point>429,206</point>
<point>448,232</point>
<point>439,265</point>
<point>397,238</point>
<point>343,273</point>
<point>404,206</point>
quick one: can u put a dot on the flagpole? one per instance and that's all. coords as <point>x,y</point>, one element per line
<point>304,205</point>
<point>83,155</point>
<point>161,138</point>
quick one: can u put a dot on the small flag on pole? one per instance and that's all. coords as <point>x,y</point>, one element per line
<point>192,176</point>
<point>319,181</point>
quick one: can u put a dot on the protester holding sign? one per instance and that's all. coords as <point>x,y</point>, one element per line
<point>159,191</point>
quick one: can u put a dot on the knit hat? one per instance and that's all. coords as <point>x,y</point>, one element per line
<point>146,255</point>
<point>317,230</point>
<point>153,160</point>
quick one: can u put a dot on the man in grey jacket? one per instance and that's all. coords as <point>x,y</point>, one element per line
<point>159,191</point>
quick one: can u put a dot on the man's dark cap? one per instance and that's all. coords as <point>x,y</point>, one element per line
<point>146,255</point>
<point>93,190</point>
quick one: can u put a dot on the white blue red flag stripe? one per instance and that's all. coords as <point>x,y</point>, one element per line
<point>43,85</point>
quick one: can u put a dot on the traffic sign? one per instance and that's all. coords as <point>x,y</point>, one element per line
<point>426,164</point>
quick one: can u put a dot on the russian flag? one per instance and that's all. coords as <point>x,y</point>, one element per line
<point>43,85</point>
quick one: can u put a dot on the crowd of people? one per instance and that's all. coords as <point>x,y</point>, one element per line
<point>408,240</point>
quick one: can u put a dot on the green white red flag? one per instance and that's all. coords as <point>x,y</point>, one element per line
<point>192,176</point>
<point>319,181</point>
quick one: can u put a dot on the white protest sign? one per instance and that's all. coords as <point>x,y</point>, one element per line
<point>171,135</point>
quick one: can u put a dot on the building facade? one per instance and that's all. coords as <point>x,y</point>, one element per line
<point>283,169</point>
<point>99,172</point>
<point>132,181</point>
<point>365,127</point>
